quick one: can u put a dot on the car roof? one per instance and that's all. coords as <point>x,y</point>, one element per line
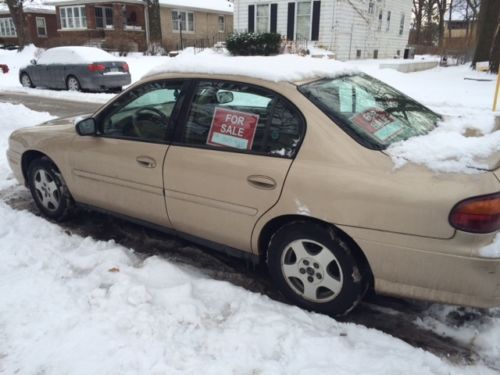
<point>282,68</point>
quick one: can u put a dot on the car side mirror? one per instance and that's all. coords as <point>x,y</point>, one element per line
<point>86,127</point>
<point>224,97</point>
<point>33,62</point>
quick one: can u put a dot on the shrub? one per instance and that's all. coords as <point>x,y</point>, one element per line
<point>247,44</point>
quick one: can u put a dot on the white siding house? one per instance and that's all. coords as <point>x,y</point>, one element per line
<point>349,28</point>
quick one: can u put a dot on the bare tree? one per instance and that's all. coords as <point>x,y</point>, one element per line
<point>441,6</point>
<point>154,22</point>
<point>418,14</point>
<point>17,14</point>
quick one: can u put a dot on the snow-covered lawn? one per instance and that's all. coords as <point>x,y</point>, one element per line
<point>73,305</point>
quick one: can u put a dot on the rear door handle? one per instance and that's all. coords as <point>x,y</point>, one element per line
<point>261,182</point>
<point>146,161</point>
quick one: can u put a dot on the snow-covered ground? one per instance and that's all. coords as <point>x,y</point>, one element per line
<point>76,305</point>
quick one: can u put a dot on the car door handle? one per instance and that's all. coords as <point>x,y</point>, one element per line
<point>261,182</point>
<point>146,161</point>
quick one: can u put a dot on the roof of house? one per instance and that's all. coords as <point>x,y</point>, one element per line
<point>30,6</point>
<point>213,6</point>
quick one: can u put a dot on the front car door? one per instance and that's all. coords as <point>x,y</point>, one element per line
<point>230,160</point>
<point>120,169</point>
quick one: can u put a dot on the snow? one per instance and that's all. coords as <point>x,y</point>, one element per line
<point>274,68</point>
<point>492,250</point>
<point>75,55</point>
<point>76,305</point>
<point>30,6</point>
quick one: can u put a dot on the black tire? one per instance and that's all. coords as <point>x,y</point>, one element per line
<point>26,80</point>
<point>52,184</point>
<point>343,272</point>
<point>73,84</point>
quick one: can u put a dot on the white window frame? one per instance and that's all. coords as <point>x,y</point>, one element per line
<point>221,26</point>
<point>41,23</point>
<point>402,24</point>
<point>188,24</point>
<point>388,26</point>
<point>105,25</point>
<point>371,7</point>
<point>268,24</point>
<point>308,37</point>
<point>7,28</point>
<point>77,23</point>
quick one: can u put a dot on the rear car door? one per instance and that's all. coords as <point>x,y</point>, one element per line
<point>120,169</point>
<point>230,160</point>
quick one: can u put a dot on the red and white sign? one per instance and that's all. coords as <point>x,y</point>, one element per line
<point>233,129</point>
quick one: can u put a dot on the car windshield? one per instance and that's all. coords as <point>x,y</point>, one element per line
<point>375,114</point>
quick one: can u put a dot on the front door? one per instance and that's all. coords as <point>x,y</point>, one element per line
<point>120,169</point>
<point>230,161</point>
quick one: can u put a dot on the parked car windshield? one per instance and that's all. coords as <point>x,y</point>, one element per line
<point>375,114</point>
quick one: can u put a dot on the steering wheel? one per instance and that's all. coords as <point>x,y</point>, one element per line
<point>158,116</point>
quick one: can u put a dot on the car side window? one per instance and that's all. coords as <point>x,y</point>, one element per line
<point>242,117</point>
<point>143,113</point>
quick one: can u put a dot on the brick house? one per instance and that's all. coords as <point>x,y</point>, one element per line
<point>41,25</point>
<point>122,24</point>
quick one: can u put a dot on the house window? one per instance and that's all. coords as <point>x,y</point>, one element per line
<point>73,17</point>
<point>183,20</point>
<point>375,53</point>
<point>7,27</point>
<point>387,28</point>
<point>303,19</point>
<point>370,7</point>
<point>263,18</point>
<point>103,17</point>
<point>402,24</point>
<point>358,54</point>
<point>379,28</point>
<point>41,26</point>
<point>222,24</point>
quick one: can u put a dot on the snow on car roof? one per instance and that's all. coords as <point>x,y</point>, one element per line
<point>291,68</point>
<point>75,55</point>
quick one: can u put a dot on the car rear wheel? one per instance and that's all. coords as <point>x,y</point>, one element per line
<point>315,268</point>
<point>26,80</point>
<point>48,189</point>
<point>73,84</point>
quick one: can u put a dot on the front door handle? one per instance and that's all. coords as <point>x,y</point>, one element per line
<point>261,182</point>
<point>146,161</point>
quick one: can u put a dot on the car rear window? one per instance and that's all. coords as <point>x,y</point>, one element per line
<point>375,114</point>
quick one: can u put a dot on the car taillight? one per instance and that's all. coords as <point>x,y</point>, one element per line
<point>478,214</point>
<point>125,67</point>
<point>96,68</point>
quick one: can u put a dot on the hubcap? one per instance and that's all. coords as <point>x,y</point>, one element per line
<point>47,190</point>
<point>26,81</point>
<point>312,271</point>
<point>73,84</point>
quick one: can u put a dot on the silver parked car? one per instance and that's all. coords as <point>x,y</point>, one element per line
<point>75,69</point>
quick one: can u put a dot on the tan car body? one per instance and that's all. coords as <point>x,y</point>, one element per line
<point>398,218</point>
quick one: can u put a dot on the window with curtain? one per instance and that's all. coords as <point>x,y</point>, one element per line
<point>303,19</point>
<point>262,18</point>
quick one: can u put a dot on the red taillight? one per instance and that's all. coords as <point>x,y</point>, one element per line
<point>477,215</point>
<point>96,68</point>
<point>125,67</point>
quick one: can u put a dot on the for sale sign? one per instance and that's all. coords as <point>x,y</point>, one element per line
<point>233,129</point>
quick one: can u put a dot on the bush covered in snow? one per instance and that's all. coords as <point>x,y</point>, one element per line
<point>247,44</point>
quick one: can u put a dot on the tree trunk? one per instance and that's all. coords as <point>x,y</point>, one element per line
<point>489,13</point>
<point>154,21</point>
<point>418,11</point>
<point>495,51</point>
<point>441,5</point>
<point>17,13</point>
<point>449,19</point>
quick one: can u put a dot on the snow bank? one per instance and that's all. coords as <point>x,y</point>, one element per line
<point>14,116</point>
<point>492,250</point>
<point>276,68</point>
<point>73,305</point>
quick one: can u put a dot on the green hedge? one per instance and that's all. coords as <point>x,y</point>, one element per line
<point>247,44</point>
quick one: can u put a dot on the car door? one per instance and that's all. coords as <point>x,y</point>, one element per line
<point>120,169</point>
<point>230,160</point>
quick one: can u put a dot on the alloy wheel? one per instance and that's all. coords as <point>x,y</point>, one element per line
<point>47,190</point>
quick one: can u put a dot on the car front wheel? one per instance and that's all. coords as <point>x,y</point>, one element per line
<point>48,189</point>
<point>26,80</point>
<point>315,268</point>
<point>73,84</point>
